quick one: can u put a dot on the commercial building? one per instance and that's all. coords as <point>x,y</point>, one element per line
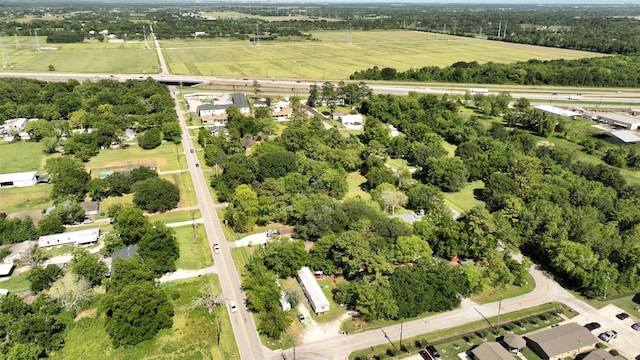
<point>312,290</point>
<point>620,120</point>
<point>561,342</point>
<point>82,237</point>
<point>556,111</point>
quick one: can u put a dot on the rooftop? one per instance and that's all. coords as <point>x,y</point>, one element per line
<point>621,118</point>
<point>556,110</point>
<point>562,339</point>
<point>311,285</point>
<point>491,351</point>
<point>625,135</point>
<point>21,176</point>
<point>6,269</point>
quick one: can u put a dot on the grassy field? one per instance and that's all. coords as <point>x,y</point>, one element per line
<point>464,199</point>
<point>176,216</point>
<point>166,157</point>
<point>21,156</point>
<point>25,198</point>
<point>187,194</point>
<point>354,180</point>
<point>17,283</point>
<point>194,248</point>
<point>193,335</point>
<point>88,57</point>
<point>333,58</point>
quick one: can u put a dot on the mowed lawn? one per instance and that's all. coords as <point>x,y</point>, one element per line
<point>334,58</point>
<point>194,248</point>
<point>166,157</point>
<point>21,156</point>
<point>87,57</point>
<point>193,335</point>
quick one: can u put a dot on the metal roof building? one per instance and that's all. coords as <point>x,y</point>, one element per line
<point>622,120</point>
<point>6,269</point>
<point>312,290</point>
<point>27,178</point>
<point>81,237</point>
<point>556,111</point>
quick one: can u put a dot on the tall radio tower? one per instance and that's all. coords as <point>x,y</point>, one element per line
<point>18,47</point>
<point>6,61</point>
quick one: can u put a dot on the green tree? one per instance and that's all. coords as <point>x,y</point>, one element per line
<point>130,224</point>
<point>171,131</point>
<point>68,177</point>
<point>89,266</point>
<point>71,291</point>
<point>136,313</point>
<point>243,210</point>
<point>159,249</point>
<point>150,139</point>
<point>50,224</point>
<point>42,278</point>
<point>156,194</point>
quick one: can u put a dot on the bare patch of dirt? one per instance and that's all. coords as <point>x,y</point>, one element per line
<point>35,215</point>
<point>86,313</point>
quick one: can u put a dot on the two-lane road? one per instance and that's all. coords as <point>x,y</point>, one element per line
<point>244,328</point>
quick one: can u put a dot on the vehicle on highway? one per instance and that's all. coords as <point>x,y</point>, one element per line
<point>216,249</point>
<point>232,306</point>
<point>192,151</point>
<point>197,165</point>
<point>425,355</point>
<point>608,335</point>
<point>592,326</point>
<point>301,318</point>
<point>636,326</point>
<point>622,316</point>
<point>433,352</point>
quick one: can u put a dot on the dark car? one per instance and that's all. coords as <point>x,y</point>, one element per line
<point>192,151</point>
<point>433,352</point>
<point>622,316</point>
<point>197,165</point>
<point>592,326</point>
<point>636,326</point>
<point>425,355</point>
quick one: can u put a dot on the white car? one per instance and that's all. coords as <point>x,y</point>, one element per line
<point>216,249</point>
<point>608,335</point>
<point>232,306</point>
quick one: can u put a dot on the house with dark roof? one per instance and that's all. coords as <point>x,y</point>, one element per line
<point>217,113</point>
<point>491,351</point>
<point>562,341</point>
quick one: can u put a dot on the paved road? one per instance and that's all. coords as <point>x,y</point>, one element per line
<point>244,327</point>
<point>163,64</point>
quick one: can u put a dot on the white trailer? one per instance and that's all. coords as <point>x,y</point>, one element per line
<point>479,90</point>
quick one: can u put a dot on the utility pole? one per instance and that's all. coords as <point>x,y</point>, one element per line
<point>505,29</point>
<point>401,321</point>
<point>499,309</point>
<point>606,285</point>
<point>499,28</point>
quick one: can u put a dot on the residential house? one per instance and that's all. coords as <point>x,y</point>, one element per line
<point>79,238</point>
<point>491,351</point>
<point>601,354</point>
<point>353,122</point>
<point>561,342</point>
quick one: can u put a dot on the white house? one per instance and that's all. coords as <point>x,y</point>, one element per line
<point>28,178</point>
<point>82,237</point>
<point>12,125</point>
<point>353,122</point>
<point>312,290</point>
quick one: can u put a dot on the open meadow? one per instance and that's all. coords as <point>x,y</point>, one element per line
<point>166,157</point>
<point>332,57</point>
<point>90,56</point>
<point>21,156</point>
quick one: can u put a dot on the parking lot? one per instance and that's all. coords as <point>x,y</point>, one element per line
<point>628,340</point>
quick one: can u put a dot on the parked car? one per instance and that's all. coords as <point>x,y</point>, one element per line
<point>216,249</point>
<point>592,326</point>
<point>197,165</point>
<point>192,151</point>
<point>636,326</point>
<point>433,352</point>
<point>301,318</point>
<point>232,306</point>
<point>622,316</point>
<point>425,355</point>
<point>608,335</point>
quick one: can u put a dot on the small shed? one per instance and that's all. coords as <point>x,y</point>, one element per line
<point>91,207</point>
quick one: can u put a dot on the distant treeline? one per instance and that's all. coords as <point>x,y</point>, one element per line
<point>611,71</point>
<point>62,37</point>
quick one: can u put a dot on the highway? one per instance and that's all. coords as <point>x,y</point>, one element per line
<point>244,327</point>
